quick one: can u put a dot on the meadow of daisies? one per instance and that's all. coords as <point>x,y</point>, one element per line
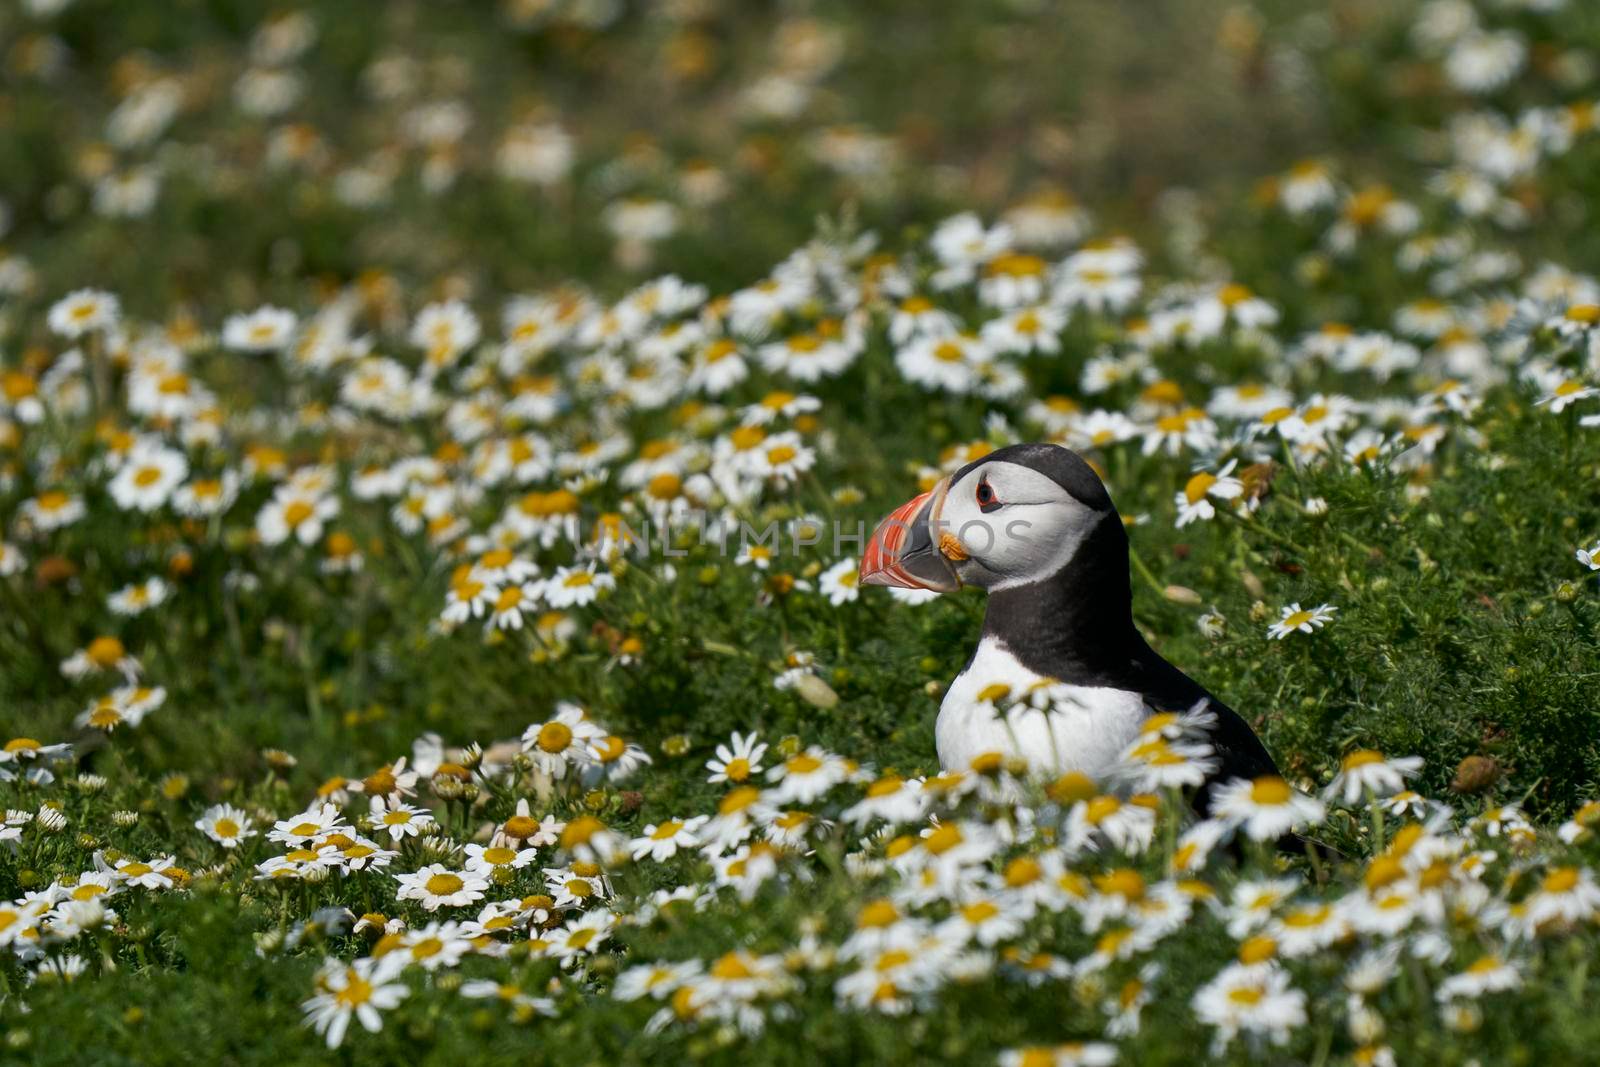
<point>435,447</point>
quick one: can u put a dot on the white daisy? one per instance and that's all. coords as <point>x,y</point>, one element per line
<point>266,329</point>
<point>1266,808</point>
<point>437,886</point>
<point>147,478</point>
<point>571,587</point>
<point>1300,620</point>
<point>737,761</point>
<point>839,583</point>
<point>661,841</point>
<point>359,990</point>
<point>1368,773</point>
<point>84,311</point>
<point>225,824</point>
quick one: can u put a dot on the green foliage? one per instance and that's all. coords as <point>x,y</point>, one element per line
<point>1463,630</point>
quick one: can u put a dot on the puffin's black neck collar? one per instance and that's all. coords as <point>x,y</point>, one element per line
<point>1077,624</point>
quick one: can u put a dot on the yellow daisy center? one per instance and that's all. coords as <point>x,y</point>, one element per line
<point>1269,790</point>
<point>442,885</point>
<point>555,737</point>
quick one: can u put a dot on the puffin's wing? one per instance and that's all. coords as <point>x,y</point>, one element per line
<point>1238,751</point>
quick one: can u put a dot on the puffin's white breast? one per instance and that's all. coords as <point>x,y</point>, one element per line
<point>1097,725</point>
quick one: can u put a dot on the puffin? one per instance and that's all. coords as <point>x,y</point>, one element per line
<point>1034,527</point>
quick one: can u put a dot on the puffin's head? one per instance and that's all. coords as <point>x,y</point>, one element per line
<point>1011,518</point>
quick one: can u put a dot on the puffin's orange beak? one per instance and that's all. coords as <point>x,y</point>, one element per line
<point>904,550</point>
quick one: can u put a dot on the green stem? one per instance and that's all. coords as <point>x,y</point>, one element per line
<point>1324,1046</point>
<point>1144,572</point>
<point>722,649</point>
<point>1255,527</point>
<point>230,612</point>
<point>1358,544</point>
<point>313,698</point>
<point>99,374</point>
<point>1169,819</point>
<point>29,619</point>
<point>1314,854</point>
<point>1290,462</point>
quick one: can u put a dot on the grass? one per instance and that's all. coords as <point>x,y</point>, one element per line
<point>1464,630</point>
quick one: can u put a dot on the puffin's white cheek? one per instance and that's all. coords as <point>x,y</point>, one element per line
<point>965,523</point>
<point>1037,544</point>
<point>1023,547</point>
<point>989,548</point>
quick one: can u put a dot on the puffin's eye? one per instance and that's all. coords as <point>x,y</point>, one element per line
<point>987,501</point>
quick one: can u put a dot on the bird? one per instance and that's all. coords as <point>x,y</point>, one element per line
<point>1035,528</point>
